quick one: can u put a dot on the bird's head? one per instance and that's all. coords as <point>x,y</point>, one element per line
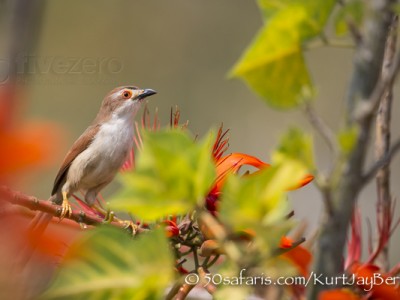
<point>123,101</point>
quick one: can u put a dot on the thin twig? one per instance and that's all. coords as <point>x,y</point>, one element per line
<point>281,251</point>
<point>322,128</point>
<point>184,290</point>
<point>354,31</point>
<point>179,264</point>
<point>195,257</point>
<point>329,136</point>
<point>213,261</point>
<point>331,43</point>
<point>369,107</point>
<point>207,285</point>
<point>373,170</point>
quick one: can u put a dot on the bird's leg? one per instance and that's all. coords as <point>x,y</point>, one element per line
<point>110,217</point>
<point>66,209</point>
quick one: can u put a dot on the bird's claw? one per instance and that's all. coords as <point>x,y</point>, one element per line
<point>66,209</point>
<point>129,225</point>
<point>109,217</point>
<point>107,213</point>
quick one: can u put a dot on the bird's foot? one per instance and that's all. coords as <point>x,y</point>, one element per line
<point>129,225</point>
<point>66,209</point>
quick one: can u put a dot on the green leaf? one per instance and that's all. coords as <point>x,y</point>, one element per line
<point>270,7</point>
<point>352,11</point>
<point>317,11</point>
<point>172,174</point>
<point>297,145</point>
<point>259,199</point>
<point>258,203</point>
<point>232,292</point>
<point>273,65</point>
<point>109,264</point>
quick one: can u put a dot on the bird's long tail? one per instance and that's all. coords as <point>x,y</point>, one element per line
<point>39,223</point>
<point>35,230</point>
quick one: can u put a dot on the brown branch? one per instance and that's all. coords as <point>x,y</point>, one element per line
<point>382,147</point>
<point>183,291</point>
<point>174,290</point>
<point>35,204</point>
<point>354,31</point>
<point>207,285</point>
<point>366,89</point>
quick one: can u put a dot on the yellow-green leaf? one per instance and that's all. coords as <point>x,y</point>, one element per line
<point>259,199</point>
<point>297,145</point>
<point>109,264</point>
<point>233,292</point>
<point>273,65</point>
<point>172,174</point>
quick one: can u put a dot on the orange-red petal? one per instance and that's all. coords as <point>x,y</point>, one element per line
<point>384,286</point>
<point>299,255</point>
<point>306,180</point>
<point>31,145</point>
<point>232,163</point>
<point>342,294</point>
<point>286,243</point>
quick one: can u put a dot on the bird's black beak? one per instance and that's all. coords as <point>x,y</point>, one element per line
<point>146,93</point>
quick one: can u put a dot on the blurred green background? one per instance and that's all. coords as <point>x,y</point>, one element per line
<point>184,50</point>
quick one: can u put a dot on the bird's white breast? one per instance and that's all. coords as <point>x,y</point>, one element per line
<point>114,139</point>
<point>99,163</point>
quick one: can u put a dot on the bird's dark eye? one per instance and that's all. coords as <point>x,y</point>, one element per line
<point>127,94</point>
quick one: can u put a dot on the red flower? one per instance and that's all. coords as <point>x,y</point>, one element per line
<point>171,228</point>
<point>370,278</point>
<point>232,163</point>
<point>342,294</point>
<point>23,145</point>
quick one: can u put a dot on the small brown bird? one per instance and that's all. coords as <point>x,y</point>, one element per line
<point>98,154</point>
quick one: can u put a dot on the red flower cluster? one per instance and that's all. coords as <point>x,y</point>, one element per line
<point>232,163</point>
<point>368,280</point>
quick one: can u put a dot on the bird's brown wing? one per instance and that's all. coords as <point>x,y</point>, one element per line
<point>80,145</point>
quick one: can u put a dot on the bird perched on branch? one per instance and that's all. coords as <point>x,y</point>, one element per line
<point>97,155</point>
